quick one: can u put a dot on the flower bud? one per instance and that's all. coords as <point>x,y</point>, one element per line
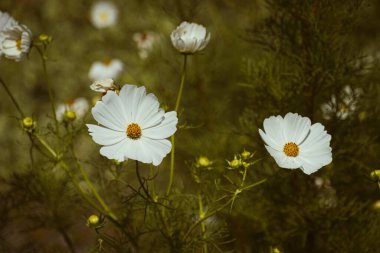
<point>93,220</point>
<point>28,124</point>
<point>246,154</point>
<point>44,38</point>
<point>375,175</point>
<point>376,205</point>
<point>235,163</point>
<point>70,115</point>
<point>203,161</point>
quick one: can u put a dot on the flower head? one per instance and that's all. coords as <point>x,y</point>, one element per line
<point>145,42</point>
<point>106,69</point>
<point>343,106</point>
<point>72,110</point>
<point>15,42</point>
<point>189,38</point>
<point>103,85</point>
<point>203,161</point>
<point>103,14</point>
<point>294,143</point>
<point>132,126</point>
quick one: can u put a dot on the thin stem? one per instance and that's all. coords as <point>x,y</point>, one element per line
<point>12,98</point>
<point>172,155</point>
<point>95,192</point>
<point>47,146</point>
<point>50,90</point>
<point>203,225</point>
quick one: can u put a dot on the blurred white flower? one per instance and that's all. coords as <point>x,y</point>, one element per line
<point>6,21</point>
<point>145,42</point>
<point>343,108</point>
<point>189,38</point>
<point>103,14</point>
<point>133,126</point>
<point>103,85</point>
<point>15,41</point>
<point>106,69</point>
<point>294,143</point>
<point>79,106</point>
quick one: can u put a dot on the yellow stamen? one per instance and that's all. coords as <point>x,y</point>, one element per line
<point>104,16</point>
<point>291,149</point>
<point>18,44</point>
<point>343,108</point>
<point>107,61</point>
<point>134,131</point>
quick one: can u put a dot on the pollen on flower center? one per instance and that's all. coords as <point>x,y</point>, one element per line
<point>18,44</point>
<point>107,61</point>
<point>133,131</point>
<point>291,149</point>
<point>104,16</point>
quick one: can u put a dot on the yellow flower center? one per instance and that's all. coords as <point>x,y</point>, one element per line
<point>104,16</point>
<point>18,44</point>
<point>343,108</point>
<point>107,61</point>
<point>291,149</point>
<point>134,131</point>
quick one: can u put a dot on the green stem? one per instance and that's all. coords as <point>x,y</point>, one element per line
<point>50,90</point>
<point>203,225</point>
<point>172,155</point>
<point>12,98</point>
<point>95,192</point>
<point>47,146</point>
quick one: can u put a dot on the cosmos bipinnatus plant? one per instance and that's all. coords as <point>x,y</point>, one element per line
<point>119,172</point>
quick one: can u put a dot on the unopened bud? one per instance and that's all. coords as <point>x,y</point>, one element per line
<point>70,115</point>
<point>235,163</point>
<point>93,220</point>
<point>44,38</point>
<point>246,154</point>
<point>29,124</point>
<point>375,175</point>
<point>203,161</point>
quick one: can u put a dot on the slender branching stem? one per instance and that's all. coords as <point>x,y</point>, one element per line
<point>172,155</point>
<point>14,101</point>
<point>203,225</point>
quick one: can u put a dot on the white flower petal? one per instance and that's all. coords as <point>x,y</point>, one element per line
<point>268,140</point>
<point>132,97</point>
<point>157,149</point>
<point>117,151</point>
<point>111,118</point>
<point>105,136</point>
<point>273,127</point>
<point>165,129</point>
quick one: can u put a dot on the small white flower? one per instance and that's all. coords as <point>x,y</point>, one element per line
<point>103,85</point>
<point>106,69</point>
<point>294,143</point>
<point>344,107</point>
<point>189,38</point>
<point>145,42</point>
<point>133,126</point>
<point>79,106</point>
<point>103,14</point>
<point>15,42</point>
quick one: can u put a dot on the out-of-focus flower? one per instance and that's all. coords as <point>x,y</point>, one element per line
<point>375,175</point>
<point>145,42</point>
<point>15,42</point>
<point>203,161</point>
<point>103,14</point>
<point>343,107</point>
<point>133,126</point>
<point>103,85</point>
<point>376,205</point>
<point>72,110</point>
<point>189,38</point>
<point>106,69</point>
<point>294,143</point>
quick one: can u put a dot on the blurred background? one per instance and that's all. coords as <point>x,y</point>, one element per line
<point>264,58</point>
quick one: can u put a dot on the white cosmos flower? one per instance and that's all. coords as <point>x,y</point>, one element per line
<point>103,14</point>
<point>294,143</point>
<point>15,41</point>
<point>103,85</point>
<point>189,38</point>
<point>342,107</point>
<point>79,105</point>
<point>145,42</point>
<point>132,126</point>
<point>106,69</point>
